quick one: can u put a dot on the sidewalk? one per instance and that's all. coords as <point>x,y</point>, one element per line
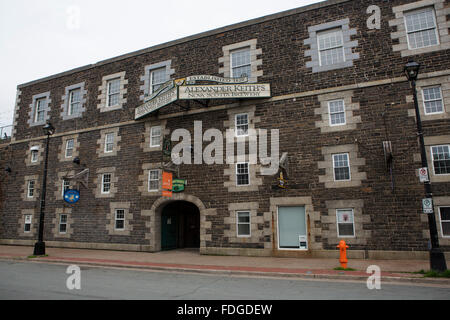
<point>192,261</point>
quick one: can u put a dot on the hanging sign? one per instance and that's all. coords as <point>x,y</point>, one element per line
<point>157,103</point>
<point>194,88</point>
<point>225,91</point>
<point>194,79</point>
<point>178,185</point>
<point>423,175</point>
<point>427,205</point>
<point>167,147</point>
<point>71,196</point>
<point>281,181</point>
<point>167,184</point>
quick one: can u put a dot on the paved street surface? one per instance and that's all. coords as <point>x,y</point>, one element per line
<point>28,280</point>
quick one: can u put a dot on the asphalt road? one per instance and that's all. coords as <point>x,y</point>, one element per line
<point>25,280</point>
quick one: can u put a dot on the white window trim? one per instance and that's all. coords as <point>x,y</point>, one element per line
<point>247,48</point>
<point>36,110</point>
<point>329,113</point>
<point>440,222</point>
<point>60,223</point>
<point>349,167</point>
<point>236,125</point>
<point>151,137</point>
<point>63,186</point>
<point>34,156</point>
<point>249,182</point>
<point>29,189</point>
<point>67,148</point>
<point>106,142</point>
<point>149,179</point>
<point>423,99</point>
<point>405,14</point>
<point>151,78</point>
<point>30,223</point>
<point>249,224</point>
<point>103,183</point>
<point>71,103</point>
<point>341,46</point>
<point>432,159</point>
<point>352,223</point>
<point>108,93</point>
<point>121,219</point>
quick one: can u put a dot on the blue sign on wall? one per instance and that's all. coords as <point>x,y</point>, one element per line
<point>71,196</point>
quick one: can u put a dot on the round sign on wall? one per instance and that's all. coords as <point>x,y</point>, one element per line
<point>72,196</point>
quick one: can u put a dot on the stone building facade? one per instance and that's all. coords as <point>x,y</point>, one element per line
<point>338,92</point>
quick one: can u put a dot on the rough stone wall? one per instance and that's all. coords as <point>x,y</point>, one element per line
<point>391,217</point>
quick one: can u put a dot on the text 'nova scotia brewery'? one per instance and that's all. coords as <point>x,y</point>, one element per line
<point>278,136</point>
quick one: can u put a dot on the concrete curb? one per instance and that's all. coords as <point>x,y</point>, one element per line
<point>310,275</point>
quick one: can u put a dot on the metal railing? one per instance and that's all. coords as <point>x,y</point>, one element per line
<point>5,132</point>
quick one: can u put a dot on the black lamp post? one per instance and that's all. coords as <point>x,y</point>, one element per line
<point>39,247</point>
<point>437,257</point>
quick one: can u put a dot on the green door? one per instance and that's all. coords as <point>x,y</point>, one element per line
<point>169,232</point>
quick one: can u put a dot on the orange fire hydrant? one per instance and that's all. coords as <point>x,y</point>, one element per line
<point>343,250</point>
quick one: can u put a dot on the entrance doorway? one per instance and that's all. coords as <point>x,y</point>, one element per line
<point>292,228</point>
<point>180,226</point>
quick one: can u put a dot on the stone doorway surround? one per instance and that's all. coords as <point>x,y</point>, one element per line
<point>154,224</point>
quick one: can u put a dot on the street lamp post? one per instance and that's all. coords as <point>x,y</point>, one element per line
<point>437,257</point>
<point>39,247</point>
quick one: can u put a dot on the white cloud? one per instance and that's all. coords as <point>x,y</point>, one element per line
<point>36,42</point>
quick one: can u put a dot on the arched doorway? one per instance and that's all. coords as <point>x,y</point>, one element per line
<point>180,226</point>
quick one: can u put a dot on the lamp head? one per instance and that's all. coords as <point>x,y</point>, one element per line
<point>412,70</point>
<point>49,129</point>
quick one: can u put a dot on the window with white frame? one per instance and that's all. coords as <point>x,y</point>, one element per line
<point>241,63</point>
<point>432,100</point>
<point>341,165</point>
<point>69,148</point>
<point>27,225</point>
<point>444,215</point>
<point>63,223</point>
<point>345,223</point>
<point>119,219</point>
<point>106,183</point>
<point>421,28</point>
<point>74,101</point>
<point>157,78</point>
<point>34,155</point>
<point>39,115</point>
<point>441,159</point>
<point>153,180</point>
<point>331,47</point>
<point>113,92</point>
<point>242,174</point>
<point>241,125</point>
<point>31,186</point>
<point>337,112</point>
<point>243,224</point>
<point>65,186</point>
<point>155,137</point>
<point>109,142</point>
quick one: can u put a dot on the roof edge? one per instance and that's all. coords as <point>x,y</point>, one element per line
<point>197,36</point>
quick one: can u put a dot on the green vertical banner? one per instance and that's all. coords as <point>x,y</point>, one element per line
<point>167,149</point>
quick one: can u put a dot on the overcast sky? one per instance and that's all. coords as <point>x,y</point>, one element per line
<point>45,37</point>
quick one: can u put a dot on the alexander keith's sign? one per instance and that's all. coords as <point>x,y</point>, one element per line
<point>190,89</point>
